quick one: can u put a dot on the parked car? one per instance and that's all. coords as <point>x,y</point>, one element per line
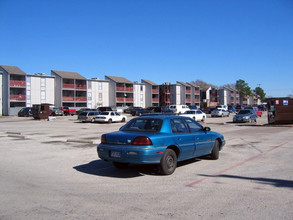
<point>129,109</point>
<point>225,107</point>
<point>179,109</point>
<point>196,115</point>
<point>231,109</point>
<point>140,111</point>
<point>159,139</point>
<point>68,110</point>
<point>257,111</point>
<point>82,110</point>
<point>103,109</point>
<point>56,111</point>
<point>220,113</point>
<point>163,109</point>
<point>245,115</point>
<point>88,116</point>
<point>25,112</point>
<point>208,110</point>
<point>109,117</point>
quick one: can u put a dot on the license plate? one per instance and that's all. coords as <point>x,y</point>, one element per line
<point>115,154</point>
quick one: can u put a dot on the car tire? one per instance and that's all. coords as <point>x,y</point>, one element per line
<point>93,120</point>
<point>120,165</point>
<point>168,162</point>
<point>123,120</point>
<point>216,150</point>
<point>110,121</point>
<point>203,118</point>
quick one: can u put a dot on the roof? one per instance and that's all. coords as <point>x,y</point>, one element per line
<point>12,70</point>
<point>68,75</point>
<point>182,83</point>
<point>149,82</point>
<point>192,84</point>
<point>118,79</point>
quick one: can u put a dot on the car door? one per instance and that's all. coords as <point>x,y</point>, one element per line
<point>202,139</point>
<point>182,138</point>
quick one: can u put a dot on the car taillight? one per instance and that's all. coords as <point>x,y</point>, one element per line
<point>103,139</point>
<point>142,140</point>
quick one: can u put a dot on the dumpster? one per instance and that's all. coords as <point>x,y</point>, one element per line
<point>280,110</point>
<point>41,111</point>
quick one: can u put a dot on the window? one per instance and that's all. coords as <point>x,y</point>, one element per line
<point>193,126</point>
<point>43,82</point>
<point>100,86</point>
<point>28,81</point>
<point>89,84</point>
<point>43,95</point>
<point>100,96</point>
<point>178,126</point>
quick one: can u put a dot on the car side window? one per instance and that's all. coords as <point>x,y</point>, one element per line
<point>178,126</point>
<point>112,114</point>
<point>116,113</point>
<point>193,126</point>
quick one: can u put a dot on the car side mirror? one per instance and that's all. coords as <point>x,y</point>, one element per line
<point>205,129</point>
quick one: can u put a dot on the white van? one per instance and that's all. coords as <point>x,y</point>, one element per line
<point>179,109</point>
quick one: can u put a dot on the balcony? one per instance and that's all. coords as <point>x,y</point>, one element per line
<point>121,99</point>
<point>155,91</point>
<point>196,92</point>
<point>124,89</point>
<point>18,97</point>
<point>188,100</point>
<point>68,86</point>
<point>68,99</point>
<point>196,100</point>
<point>80,87</point>
<point>17,83</point>
<point>188,91</point>
<point>155,100</point>
<point>80,99</point>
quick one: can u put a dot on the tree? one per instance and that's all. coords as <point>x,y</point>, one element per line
<point>243,88</point>
<point>259,91</point>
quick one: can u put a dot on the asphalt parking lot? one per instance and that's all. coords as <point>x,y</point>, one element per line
<point>50,170</point>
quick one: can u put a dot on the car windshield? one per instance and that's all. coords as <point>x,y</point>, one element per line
<point>244,112</point>
<point>189,112</point>
<point>143,125</point>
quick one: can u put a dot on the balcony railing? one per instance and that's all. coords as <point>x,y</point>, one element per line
<point>72,99</point>
<point>18,97</point>
<point>188,91</point>
<point>68,99</point>
<point>124,89</point>
<point>155,91</point>
<point>155,100</point>
<point>17,83</point>
<point>80,99</point>
<point>196,100</point>
<point>196,92</point>
<point>188,100</point>
<point>121,99</point>
<point>80,86</point>
<point>68,86</point>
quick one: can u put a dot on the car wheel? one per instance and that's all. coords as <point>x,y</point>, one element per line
<point>203,118</point>
<point>215,151</point>
<point>194,118</point>
<point>110,121</point>
<point>120,165</point>
<point>93,120</point>
<point>168,162</point>
<point>123,120</point>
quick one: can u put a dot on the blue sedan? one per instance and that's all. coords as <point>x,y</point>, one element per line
<point>159,139</point>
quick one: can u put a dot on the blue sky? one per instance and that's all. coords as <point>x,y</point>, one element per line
<point>217,41</point>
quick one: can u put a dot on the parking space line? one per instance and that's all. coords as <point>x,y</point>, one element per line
<point>236,165</point>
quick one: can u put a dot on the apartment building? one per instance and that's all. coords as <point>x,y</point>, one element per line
<point>120,91</point>
<point>71,89</point>
<point>185,93</point>
<point>14,89</point>
<point>97,93</point>
<point>195,94</point>
<point>40,89</point>
<point>152,94</point>
<point>139,93</point>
